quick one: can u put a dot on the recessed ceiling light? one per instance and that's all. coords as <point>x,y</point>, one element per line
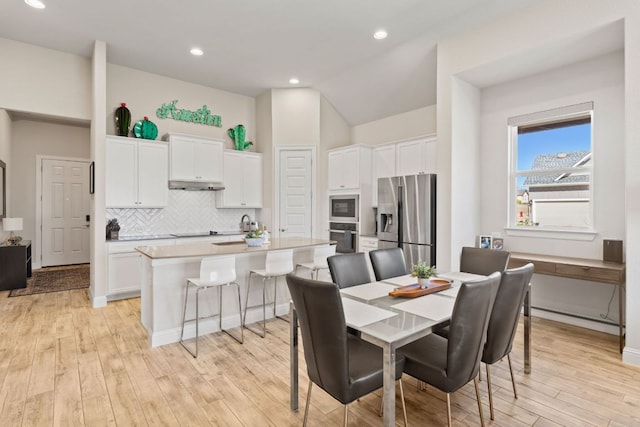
<point>196,51</point>
<point>380,34</point>
<point>294,80</point>
<point>36,4</point>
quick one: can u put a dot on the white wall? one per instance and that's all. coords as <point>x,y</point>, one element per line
<point>411,124</point>
<point>44,81</point>
<point>5,156</point>
<point>30,139</point>
<point>144,93</point>
<point>532,36</point>
<point>600,80</point>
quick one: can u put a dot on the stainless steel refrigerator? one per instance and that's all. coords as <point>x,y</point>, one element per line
<point>407,216</point>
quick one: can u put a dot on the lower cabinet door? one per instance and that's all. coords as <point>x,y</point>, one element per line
<point>124,273</point>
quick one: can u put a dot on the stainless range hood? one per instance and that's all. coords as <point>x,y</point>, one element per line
<point>196,185</point>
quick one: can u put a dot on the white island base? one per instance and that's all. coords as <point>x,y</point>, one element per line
<point>165,270</point>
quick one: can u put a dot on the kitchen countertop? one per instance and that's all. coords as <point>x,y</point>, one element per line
<point>226,248</point>
<point>174,236</point>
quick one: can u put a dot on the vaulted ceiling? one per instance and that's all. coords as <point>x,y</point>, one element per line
<point>254,45</point>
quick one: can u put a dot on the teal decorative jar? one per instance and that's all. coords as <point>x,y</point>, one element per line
<point>145,129</point>
<point>123,119</point>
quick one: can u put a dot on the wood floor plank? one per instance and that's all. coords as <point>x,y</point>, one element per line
<point>105,374</point>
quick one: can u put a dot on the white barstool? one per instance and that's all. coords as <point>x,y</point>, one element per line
<point>278,263</point>
<point>217,272</point>
<point>320,255</point>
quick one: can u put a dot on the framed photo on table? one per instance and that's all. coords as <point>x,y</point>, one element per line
<point>497,243</point>
<point>485,241</point>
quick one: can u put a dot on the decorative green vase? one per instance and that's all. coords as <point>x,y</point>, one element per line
<point>123,119</point>
<point>145,129</point>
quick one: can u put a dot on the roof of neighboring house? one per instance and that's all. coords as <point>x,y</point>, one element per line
<point>559,161</point>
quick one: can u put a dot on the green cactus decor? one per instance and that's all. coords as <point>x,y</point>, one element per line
<point>123,119</point>
<point>238,134</point>
<point>145,129</point>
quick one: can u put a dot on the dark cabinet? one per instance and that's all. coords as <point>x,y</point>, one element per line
<point>15,265</point>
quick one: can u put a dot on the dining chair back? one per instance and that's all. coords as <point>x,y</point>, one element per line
<point>349,269</point>
<point>503,321</point>
<point>342,364</point>
<point>388,262</point>
<point>449,364</point>
<point>483,261</point>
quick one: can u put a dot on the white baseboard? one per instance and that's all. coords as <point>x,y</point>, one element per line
<point>97,302</point>
<point>631,356</point>
<point>576,321</point>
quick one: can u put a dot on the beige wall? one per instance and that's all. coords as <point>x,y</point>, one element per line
<point>30,139</point>
<point>144,93</point>
<point>44,81</point>
<point>411,124</point>
<point>295,116</point>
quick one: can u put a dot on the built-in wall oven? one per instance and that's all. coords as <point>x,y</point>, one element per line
<point>346,236</point>
<point>344,208</point>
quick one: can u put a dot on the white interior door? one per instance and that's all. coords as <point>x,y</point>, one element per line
<point>65,206</point>
<point>295,193</point>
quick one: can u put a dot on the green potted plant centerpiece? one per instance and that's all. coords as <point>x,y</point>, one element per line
<point>254,238</point>
<point>423,272</point>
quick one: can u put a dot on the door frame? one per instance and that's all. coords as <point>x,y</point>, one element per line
<point>37,260</point>
<point>276,183</point>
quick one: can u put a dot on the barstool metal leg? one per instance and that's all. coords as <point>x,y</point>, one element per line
<point>184,320</point>
<point>227,331</point>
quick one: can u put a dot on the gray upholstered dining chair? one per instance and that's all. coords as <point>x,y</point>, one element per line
<point>388,262</point>
<point>503,321</point>
<point>341,364</point>
<point>449,364</point>
<point>483,261</point>
<point>349,269</point>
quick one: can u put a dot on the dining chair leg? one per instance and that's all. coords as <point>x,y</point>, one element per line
<point>475,383</point>
<point>306,406</point>
<point>404,407</point>
<point>489,390</point>
<point>513,381</point>
<point>346,415</point>
<point>448,410</point>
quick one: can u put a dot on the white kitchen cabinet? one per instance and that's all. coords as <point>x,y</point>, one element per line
<point>136,173</point>
<point>349,168</point>
<point>123,267</point>
<point>403,158</point>
<point>416,157</point>
<point>194,158</point>
<point>242,180</point>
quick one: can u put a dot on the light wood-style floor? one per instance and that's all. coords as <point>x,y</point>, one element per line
<point>63,363</point>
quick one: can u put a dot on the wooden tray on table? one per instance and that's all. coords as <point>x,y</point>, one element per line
<point>414,290</point>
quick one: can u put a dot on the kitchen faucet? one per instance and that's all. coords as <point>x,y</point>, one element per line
<point>246,225</point>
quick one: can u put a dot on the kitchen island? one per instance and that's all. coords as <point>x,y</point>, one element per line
<point>165,269</point>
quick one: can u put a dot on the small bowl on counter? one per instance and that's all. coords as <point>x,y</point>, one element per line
<point>254,241</point>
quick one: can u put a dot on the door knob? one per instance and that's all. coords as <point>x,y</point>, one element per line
<point>283,229</point>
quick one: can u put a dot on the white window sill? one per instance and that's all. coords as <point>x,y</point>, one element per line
<point>586,235</point>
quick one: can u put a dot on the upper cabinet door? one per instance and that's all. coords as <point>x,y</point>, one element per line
<point>121,173</point>
<point>242,181</point>
<point>209,161</point>
<point>195,159</point>
<point>384,165</point>
<point>410,158</point>
<point>344,172</point>
<point>252,181</point>
<point>153,190</point>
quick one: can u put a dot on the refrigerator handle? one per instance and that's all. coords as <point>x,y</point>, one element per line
<point>399,220</point>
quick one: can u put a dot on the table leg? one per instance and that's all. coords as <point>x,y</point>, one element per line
<point>621,316</point>
<point>293,354</point>
<point>527,331</point>
<point>389,385</point>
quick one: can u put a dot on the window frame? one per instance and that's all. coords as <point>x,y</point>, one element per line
<point>566,113</point>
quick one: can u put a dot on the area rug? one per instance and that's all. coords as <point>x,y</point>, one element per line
<point>55,279</point>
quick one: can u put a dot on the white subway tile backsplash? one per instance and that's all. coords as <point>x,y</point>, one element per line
<point>187,211</point>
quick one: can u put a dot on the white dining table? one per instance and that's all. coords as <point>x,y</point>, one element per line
<point>390,323</point>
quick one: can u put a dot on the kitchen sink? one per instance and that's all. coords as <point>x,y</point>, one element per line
<point>228,243</point>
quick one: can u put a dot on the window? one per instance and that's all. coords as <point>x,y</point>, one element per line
<point>551,169</point>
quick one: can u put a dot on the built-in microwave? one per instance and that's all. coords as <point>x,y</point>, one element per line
<point>343,208</point>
